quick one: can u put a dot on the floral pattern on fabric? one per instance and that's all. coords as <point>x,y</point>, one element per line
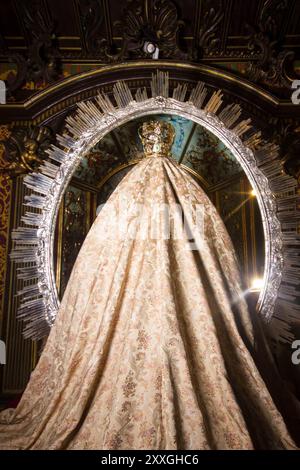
<point>146,351</point>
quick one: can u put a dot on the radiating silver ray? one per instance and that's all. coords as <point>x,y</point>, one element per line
<point>198,95</point>
<point>66,140</point>
<point>160,84</point>
<point>30,289</point>
<point>23,256</point>
<point>179,93</point>
<point>122,94</point>
<point>38,182</point>
<point>230,114</point>
<point>92,113</point>
<point>56,153</point>
<point>28,274</point>
<point>31,218</point>
<point>34,201</point>
<point>253,141</point>
<point>48,169</point>
<point>242,127</point>
<point>141,95</point>
<point>214,103</point>
<point>105,103</point>
<point>268,152</point>
<point>24,233</point>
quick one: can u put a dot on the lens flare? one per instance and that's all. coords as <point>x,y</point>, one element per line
<point>257,284</point>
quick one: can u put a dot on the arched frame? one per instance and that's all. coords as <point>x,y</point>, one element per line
<point>93,120</point>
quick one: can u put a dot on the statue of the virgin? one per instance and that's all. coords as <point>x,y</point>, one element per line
<point>153,346</point>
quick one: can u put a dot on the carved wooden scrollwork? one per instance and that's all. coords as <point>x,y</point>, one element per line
<point>271,67</point>
<point>111,32</point>
<point>42,59</point>
<point>153,23</point>
<point>92,22</point>
<point>208,38</point>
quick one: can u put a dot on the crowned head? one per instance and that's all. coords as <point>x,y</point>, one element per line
<point>157,138</point>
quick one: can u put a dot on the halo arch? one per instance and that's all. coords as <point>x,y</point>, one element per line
<point>33,243</point>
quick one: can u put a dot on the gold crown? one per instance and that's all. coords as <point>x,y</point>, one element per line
<point>157,138</point>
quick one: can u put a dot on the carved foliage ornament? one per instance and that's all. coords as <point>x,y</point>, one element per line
<point>149,23</point>
<point>92,23</point>
<point>207,39</point>
<point>272,65</point>
<point>42,60</point>
<point>149,29</point>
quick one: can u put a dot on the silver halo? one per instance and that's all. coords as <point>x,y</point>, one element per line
<point>92,122</point>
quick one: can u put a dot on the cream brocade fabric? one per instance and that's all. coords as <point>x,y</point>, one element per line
<point>146,351</point>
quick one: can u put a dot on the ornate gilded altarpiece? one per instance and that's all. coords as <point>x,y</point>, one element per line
<point>54,55</point>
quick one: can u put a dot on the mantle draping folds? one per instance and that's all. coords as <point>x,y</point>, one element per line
<point>153,346</point>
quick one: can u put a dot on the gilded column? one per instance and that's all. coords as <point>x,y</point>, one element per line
<point>5,198</point>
